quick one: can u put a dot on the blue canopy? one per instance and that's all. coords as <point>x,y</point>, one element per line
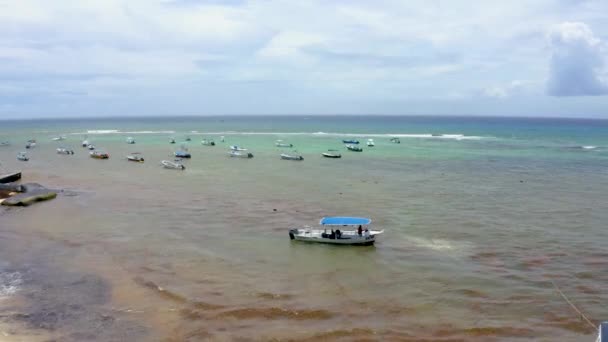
<point>345,221</point>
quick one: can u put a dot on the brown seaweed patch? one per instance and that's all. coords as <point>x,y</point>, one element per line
<point>568,322</point>
<point>279,296</point>
<point>277,313</point>
<point>588,290</point>
<point>535,262</point>
<point>341,334</point>
<point>472,293</point>
<point>206,306</point>
<point>190,314</point>
<point>584,275</point>
<point>160,290</point>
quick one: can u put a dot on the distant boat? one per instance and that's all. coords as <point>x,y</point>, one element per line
<point>602,332</point>
<point>240,154</point>
<point>91,147</point>
<point>172,165</point>
<point>331,154</point>
<point>5,143</point>
<point>99,155</point>
<point>130,140</point>
<point>59,138</point>
<point>188,139</point>
<point>370,143</point>
<point>356,142</point>
<point>286,156</point>
<point>353,237</point>
<point>208,142</point>
<point>135,157</point>
<point>395,140</point>
<point>30,144</point>
<point>63,150</point>
<point>171,141</point>
<point>85,143</point>
<point>182,154</point>
<point>236,148</point>
<point>354,148</point>
<point>22,156</point>
<point>222,138</point>
<point>280,143</point>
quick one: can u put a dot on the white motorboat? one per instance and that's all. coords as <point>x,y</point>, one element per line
<point>172,165</point>
<point>286,156</point>
<point>370,143</point>
<point>359,236</point>
<point>5,143</point>
<point>208,142</point>
<point>30,144</point>
<point>331,154</point>
<point>602,332</point>
<point>22,156</point>
<point>171,141</point>
<point>354,148</point>
<point>237,148</point>
<point>280,143</point>
<point>91,147</point>
<point>240,154</point>
<point>222,138</point>
<point>135,157</point>
<point>395,141</point>
<point>63,150</point>
<point>59,138</point>
<point>85,143</point>
<point>130,140</point>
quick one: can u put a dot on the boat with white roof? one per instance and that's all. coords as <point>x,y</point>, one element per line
<point>356,232</point>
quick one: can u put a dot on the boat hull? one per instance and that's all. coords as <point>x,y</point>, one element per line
<point>347,239</point>
<point>9,178</point>
<point>329,155</point>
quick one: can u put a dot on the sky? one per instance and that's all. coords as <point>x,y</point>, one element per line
<point>65,58</point>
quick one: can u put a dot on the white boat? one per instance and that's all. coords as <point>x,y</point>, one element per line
<point>354,148</point>
<point>237,148</point>
<point>30,144</point>
<point>370,142</point>
<point>63,150</point>
<point>286,156</point>
<point>59,138</point>
<point>5,143</point>
<point>171,141</point>
<point>130,140</point>
<point>331,154</point>
<point>91,147</point>
<point>357,235</point>
<point>85,143</point>
<point>240,154</point>
<point>135,157</point>
<point>172,165</point>
<point>280,143</point>
<point>22,156</point>
<point>222,138</point>
<point>395,141</point>
<point>208,142</point>
<point>602,332</point>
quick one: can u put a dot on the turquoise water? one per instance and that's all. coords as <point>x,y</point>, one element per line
<point>478,223</point>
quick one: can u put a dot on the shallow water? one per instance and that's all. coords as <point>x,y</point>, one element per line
<point>476,230</point>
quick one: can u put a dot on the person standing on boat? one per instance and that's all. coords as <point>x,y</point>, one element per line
<point>360,230</point>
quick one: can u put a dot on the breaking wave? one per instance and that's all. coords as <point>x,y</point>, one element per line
<point>116,131</point>
<point>357,135</point>
<point>9,283</point>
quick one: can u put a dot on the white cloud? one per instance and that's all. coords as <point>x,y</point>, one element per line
<point>577,61</point>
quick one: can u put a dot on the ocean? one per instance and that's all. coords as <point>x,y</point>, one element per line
<point>485,219</point>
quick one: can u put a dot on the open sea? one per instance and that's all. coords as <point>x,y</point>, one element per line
<point>484,218</point>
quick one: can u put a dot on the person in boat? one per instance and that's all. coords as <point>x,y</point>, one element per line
<point>360,230</point>
<point>338,234</point>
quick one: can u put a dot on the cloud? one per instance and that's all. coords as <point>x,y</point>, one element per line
<point>577,62</point>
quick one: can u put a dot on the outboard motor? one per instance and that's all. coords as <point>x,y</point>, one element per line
<point>291,233</point>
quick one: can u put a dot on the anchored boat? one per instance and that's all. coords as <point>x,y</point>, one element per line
<point>395,141</point>
<point>30,144</point>
<point>22,156</point>
<point>59,138</point>
<point>5,143</point>
<point>355,232</point>
<point>286,156</point>
<point>370,143</point>
<point>331,154</point>
<point>135,157</point>
<point>182,154</point>
<point>602,333</point>
<point>63,150</point>
<point>176,165</point>
<point>280,143</point>
<point>208,142</point>
<point>240,154</point>
<point>99,155</point>
<point>354,148</point>
<point>356,142</point>
<point>130,140</point>
<point>237,148</point>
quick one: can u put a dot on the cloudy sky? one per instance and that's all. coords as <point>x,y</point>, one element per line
<point>212,57</point>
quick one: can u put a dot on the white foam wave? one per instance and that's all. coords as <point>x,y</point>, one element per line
<point>9,283</point>
<point>116,131</point>
<point>589,147</point>
<point>357,135</point>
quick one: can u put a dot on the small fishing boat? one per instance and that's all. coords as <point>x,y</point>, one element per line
<point>237,148</point>
<point>130,140</point>
<point>286,156</point>
<point>59,138</point>
<point>99,155</point>
<point>85,143</point>
<point>208,142</point>
<point>360,236</point>
<point>171,141</point>
<point>331,154</point>
<point>30,144</point>
<point>280,143</point>
<point>240,154</point>
<point>355,142</point>
<point>370,143</point>
<point>182,154</point>
<point>222,138</point>
<point>354,148</point>
<point>22,156</point>
<point>176,165</point>
<point>395,140</point>
<point>63,150</point>
<point>91,147</point>
<point>602,332</point>
<point>135,157</point>
<point>5,143</point>
<point>188,139</point>
<point>9,178</point>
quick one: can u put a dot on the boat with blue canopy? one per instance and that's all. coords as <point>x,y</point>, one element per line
<point>356,232</point>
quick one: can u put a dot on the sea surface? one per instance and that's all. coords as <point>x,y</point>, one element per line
<point>486,221</point>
